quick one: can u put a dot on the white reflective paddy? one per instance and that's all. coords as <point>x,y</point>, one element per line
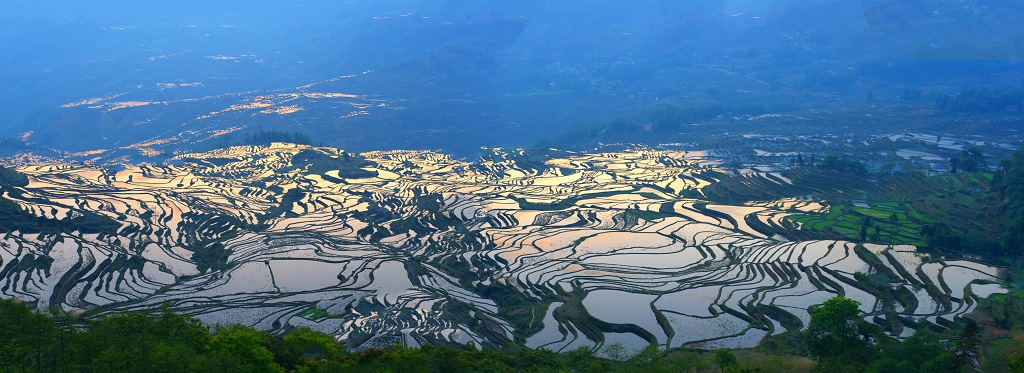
<point>607,239</point>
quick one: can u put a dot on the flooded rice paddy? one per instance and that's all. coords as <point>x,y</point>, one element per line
<point>616,247</point>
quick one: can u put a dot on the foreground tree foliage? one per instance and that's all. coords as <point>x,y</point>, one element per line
<point>841,341</point>
<point>32,341</point>
<point>837,338</point>
<point>836,333</point>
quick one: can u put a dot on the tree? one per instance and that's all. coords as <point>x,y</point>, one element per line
<point>308,346</point>
<point>1017,356</point>
<point>646,359</point>
<point>240,349</point>
<point>967,347</point>
<point>972,160</point>
<point>616,351</point>
<point>724,359</point>
<point>834,332</point>
<point>921,352</point>
<point>1008,184</point>
<point>65,327</point>
<point>583,359</point>
<point>865,224</point>
<point>27,338</point>
<point>940,234</point>
<point>893,219</point>
<point>135,342</point>
<point>953,164</point>
<point>842,164</point>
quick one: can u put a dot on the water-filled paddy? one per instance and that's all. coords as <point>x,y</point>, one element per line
<point>434,255</point>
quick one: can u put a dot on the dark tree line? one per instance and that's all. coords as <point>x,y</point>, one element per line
<point>845,164</point>
<point>983,100</point>
<point>840,340</point>
<point>1008,184</point>
<point>970,160</point>
<point>1007,189</point>
<point>32,341</point>
<point>262,137</point>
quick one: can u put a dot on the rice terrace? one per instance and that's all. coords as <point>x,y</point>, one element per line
<point>631,247</point>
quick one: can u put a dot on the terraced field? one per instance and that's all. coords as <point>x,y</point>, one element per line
<point>416,247</point>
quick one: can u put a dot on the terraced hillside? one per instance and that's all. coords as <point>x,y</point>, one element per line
<point>416,247</point>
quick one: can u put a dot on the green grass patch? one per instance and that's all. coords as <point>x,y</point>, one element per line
<point>879,214</point>
<point>846,224</point>
<point>845,231</point>
<point>848,220</point>
<point>314,314</point>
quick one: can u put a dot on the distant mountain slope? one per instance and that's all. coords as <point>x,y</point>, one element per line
<point>460,74</point>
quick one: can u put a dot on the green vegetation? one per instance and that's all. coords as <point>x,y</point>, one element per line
<point>837,338</point>
<point>971,160</point>
<point>841,341</point>
<point>167,342</point>
<point>996,224</point>
<point>210,253</point>
<point>880,223</point>
<point>835,334</point>
<point>1001,317</point>
<point>1008,185</point>
<point>971,211</point>
<point>834,162</point>
<point>314,313</point>
<point>982,101</point>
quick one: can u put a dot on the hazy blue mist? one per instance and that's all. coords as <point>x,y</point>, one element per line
<point>461,74</point>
